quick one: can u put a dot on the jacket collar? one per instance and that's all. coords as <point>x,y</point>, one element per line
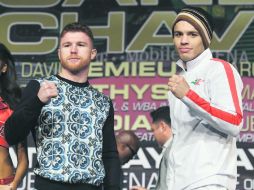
<point>205,55</point>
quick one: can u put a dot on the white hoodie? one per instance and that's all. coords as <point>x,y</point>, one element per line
<point>205,124</point>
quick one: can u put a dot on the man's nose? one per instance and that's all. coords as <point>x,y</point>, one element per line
<point>184,39</point>
<point>74,49</point>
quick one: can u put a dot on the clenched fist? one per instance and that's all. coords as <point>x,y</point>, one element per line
<point>178,86</point>
<point>47,91</point>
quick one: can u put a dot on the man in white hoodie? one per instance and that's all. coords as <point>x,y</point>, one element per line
<point>206,109</point>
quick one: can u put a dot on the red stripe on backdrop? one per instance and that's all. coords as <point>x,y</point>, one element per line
<point>228,117</point>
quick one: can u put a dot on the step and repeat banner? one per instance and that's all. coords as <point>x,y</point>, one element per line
<point>135,58</point>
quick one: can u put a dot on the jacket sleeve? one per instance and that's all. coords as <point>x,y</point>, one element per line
<point>25,116</point>
<point>110,154</point>
<point>223,108</point>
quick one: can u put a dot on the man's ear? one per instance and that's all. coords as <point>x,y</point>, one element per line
<point>93,54</point>
<point>165,126</point>
<point>162,126</point>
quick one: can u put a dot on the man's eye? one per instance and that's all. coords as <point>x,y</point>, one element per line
<point>82,45</point>
<point>194,34</point>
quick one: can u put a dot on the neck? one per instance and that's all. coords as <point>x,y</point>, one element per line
<point>79,77</point>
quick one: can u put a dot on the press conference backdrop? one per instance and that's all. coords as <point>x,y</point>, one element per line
<point>136,57</point>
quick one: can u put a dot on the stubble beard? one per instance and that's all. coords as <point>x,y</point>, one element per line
<point>74,69</point>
